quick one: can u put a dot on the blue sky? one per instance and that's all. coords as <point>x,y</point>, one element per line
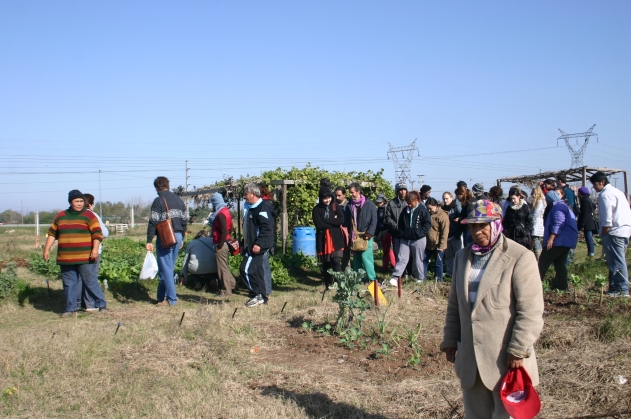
<point>135,89</point>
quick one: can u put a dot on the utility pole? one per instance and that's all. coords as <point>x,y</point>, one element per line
<point>100,199</point>
<point>187,189</point>
<point>420,181</point>
<point>577,155</point>
<point>402,164</point>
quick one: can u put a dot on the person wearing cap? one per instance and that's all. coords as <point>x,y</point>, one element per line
<point>478,191</point>
<point>79,235</point>
<point>361,213</point>
<point>615,228</point>
<point>494,312</point>
<point>586,220</point>
<point>392,239</point>
<point>426,191</point>
<point>560,235</point>
<point>328,217</point>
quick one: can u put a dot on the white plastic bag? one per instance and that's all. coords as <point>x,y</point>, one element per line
<point>149,267</point>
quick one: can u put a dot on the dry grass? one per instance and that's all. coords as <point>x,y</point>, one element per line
<point>205,368</point>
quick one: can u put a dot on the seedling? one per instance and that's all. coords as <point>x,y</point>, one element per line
<point>600,281</point>
<point>576,281</point>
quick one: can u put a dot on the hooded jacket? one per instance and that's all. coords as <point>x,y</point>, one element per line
<point>394,207</point>
<point>438,234</point>
<point>260,226</point>
<point>561,221</point>
<point>586,215</point>
<point>414,224</point>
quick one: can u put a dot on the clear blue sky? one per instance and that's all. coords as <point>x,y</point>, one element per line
<point>137,88</point>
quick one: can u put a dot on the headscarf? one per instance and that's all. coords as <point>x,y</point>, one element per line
<point>553,196</point>
<point>218,204</point>
<point>496,233</point>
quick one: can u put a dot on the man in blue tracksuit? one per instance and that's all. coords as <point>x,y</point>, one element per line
<point>258,236</point>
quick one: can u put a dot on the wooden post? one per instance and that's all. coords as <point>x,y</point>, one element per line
<point>399,286</point>
<point>584,180</point>
<point>238,198</point>
<point>284,217</point>
<point>376,292</point>
<point>626,184</point>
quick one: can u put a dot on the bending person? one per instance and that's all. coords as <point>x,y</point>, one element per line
<point>221,224</point>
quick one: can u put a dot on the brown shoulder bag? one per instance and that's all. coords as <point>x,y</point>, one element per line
<point>166,235</point>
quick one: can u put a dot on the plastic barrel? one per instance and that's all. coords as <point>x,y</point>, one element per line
<point>304,240</point>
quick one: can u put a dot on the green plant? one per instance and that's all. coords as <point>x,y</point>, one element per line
<point>349,297</point>
<point>8,280</point>
<point>325,330</point>
<point>576,281</point>
<point>122,259</point>
<point>546,285</point>
<point>308,325</point>
<point>48,269</point>
<point>384,351</point>
<point>382,324</point>
<point>417,354</point>
<point>600,281</point>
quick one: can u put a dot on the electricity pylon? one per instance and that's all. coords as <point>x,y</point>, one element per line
<point>402,164</point>
<point>577,155</point>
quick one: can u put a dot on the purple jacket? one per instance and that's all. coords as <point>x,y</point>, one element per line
<point>562,222</point>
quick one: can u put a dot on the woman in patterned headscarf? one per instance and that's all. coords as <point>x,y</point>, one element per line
<point>494,313</point>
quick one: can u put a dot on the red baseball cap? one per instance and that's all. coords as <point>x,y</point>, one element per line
<point>518,395</point>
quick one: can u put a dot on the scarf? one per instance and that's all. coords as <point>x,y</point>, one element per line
<point>517,206</point>
<point>354,206</point>
<point>496,233</point>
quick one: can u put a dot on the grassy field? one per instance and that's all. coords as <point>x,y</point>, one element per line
<point>210,358</point>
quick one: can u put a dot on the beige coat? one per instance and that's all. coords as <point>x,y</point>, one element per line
<point>507,315</point>
<point>439,233</point>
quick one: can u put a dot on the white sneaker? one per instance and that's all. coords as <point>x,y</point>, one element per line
<point>255,301</point>
<point>394,282</point>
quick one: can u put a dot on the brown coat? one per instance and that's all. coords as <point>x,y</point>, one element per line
<point>439,233</point>
<point>507,315</point>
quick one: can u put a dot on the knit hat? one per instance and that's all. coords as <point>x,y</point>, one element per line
<point>483,211</point>
<point>75,194</point>
<point>380,198</point>
<point>583,190</point>
<point>553,196</point>
<point>425,188</point>
<point>400,185</point>
<point>325,193</point>
<point>478,188</point>
<point>515,191</point>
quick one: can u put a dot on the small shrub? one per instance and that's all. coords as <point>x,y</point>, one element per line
<point>8,280</point>
<point>613,328</point>
<point>48,269</point>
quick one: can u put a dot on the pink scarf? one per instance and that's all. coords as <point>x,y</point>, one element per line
<point>496,232</point>
<point>354,206</point>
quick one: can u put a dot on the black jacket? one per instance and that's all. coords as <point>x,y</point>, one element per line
<point>177,213</point>
<point>260,229</point>
<point>394,207</point>
<point>366,219</point>
<point>381,222</point>
<point>585,219</point>
<point>333,223</point>
<point>518,225</point>
<point>455,230</point>
<point>418,226</point>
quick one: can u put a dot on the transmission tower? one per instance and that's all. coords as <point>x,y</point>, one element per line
<point>577,155</point>
<point>402,159</point>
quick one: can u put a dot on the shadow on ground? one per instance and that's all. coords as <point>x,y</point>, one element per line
<point>319,405</point>
<point>44,299</point>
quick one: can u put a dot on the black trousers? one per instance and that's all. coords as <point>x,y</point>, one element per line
<point>335,264</point>
<point>253,275</point>
<point>558,256</point>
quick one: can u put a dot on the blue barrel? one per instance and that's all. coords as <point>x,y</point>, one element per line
<point>304,240</point>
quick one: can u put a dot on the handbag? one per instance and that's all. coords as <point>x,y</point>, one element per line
<point>233,247</point>
<point>166,235</point>
<point>359,244</point>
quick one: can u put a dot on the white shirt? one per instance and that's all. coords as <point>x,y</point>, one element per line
<point>614,211</point>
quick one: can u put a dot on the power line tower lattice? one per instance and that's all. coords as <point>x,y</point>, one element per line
<point>577,155</point>
<point>402,159</point>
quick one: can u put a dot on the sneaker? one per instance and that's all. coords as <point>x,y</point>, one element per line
<point>255,301</point>
<point>68,314</point>
<point>92,309</point>
<point>419,281</point>
<point>394,282</point>
<point>164,303</point>
<point>616,294</point>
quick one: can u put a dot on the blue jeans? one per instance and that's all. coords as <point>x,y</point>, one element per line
<point>615,248</point>
<point>166,265</point>
<point>77,277</point>
<point>87,296</point>
<point>438,270</point>
<point>589,239</point>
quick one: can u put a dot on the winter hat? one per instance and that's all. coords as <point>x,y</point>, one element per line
<point>519,397</point>
<point>583,190</point>
<point>380,198</point>
<point>325,193</point>
<point>553,196</point>
<point>400,185</point>
<point>478,188</point>
<point>75,194</point>
<point>425,188</point>
<point>483,211</point>
<point>515,191</point>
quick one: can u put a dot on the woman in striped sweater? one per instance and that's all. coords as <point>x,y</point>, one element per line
<point>79,235</point>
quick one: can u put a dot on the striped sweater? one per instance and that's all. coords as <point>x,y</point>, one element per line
<point>75,232</point>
